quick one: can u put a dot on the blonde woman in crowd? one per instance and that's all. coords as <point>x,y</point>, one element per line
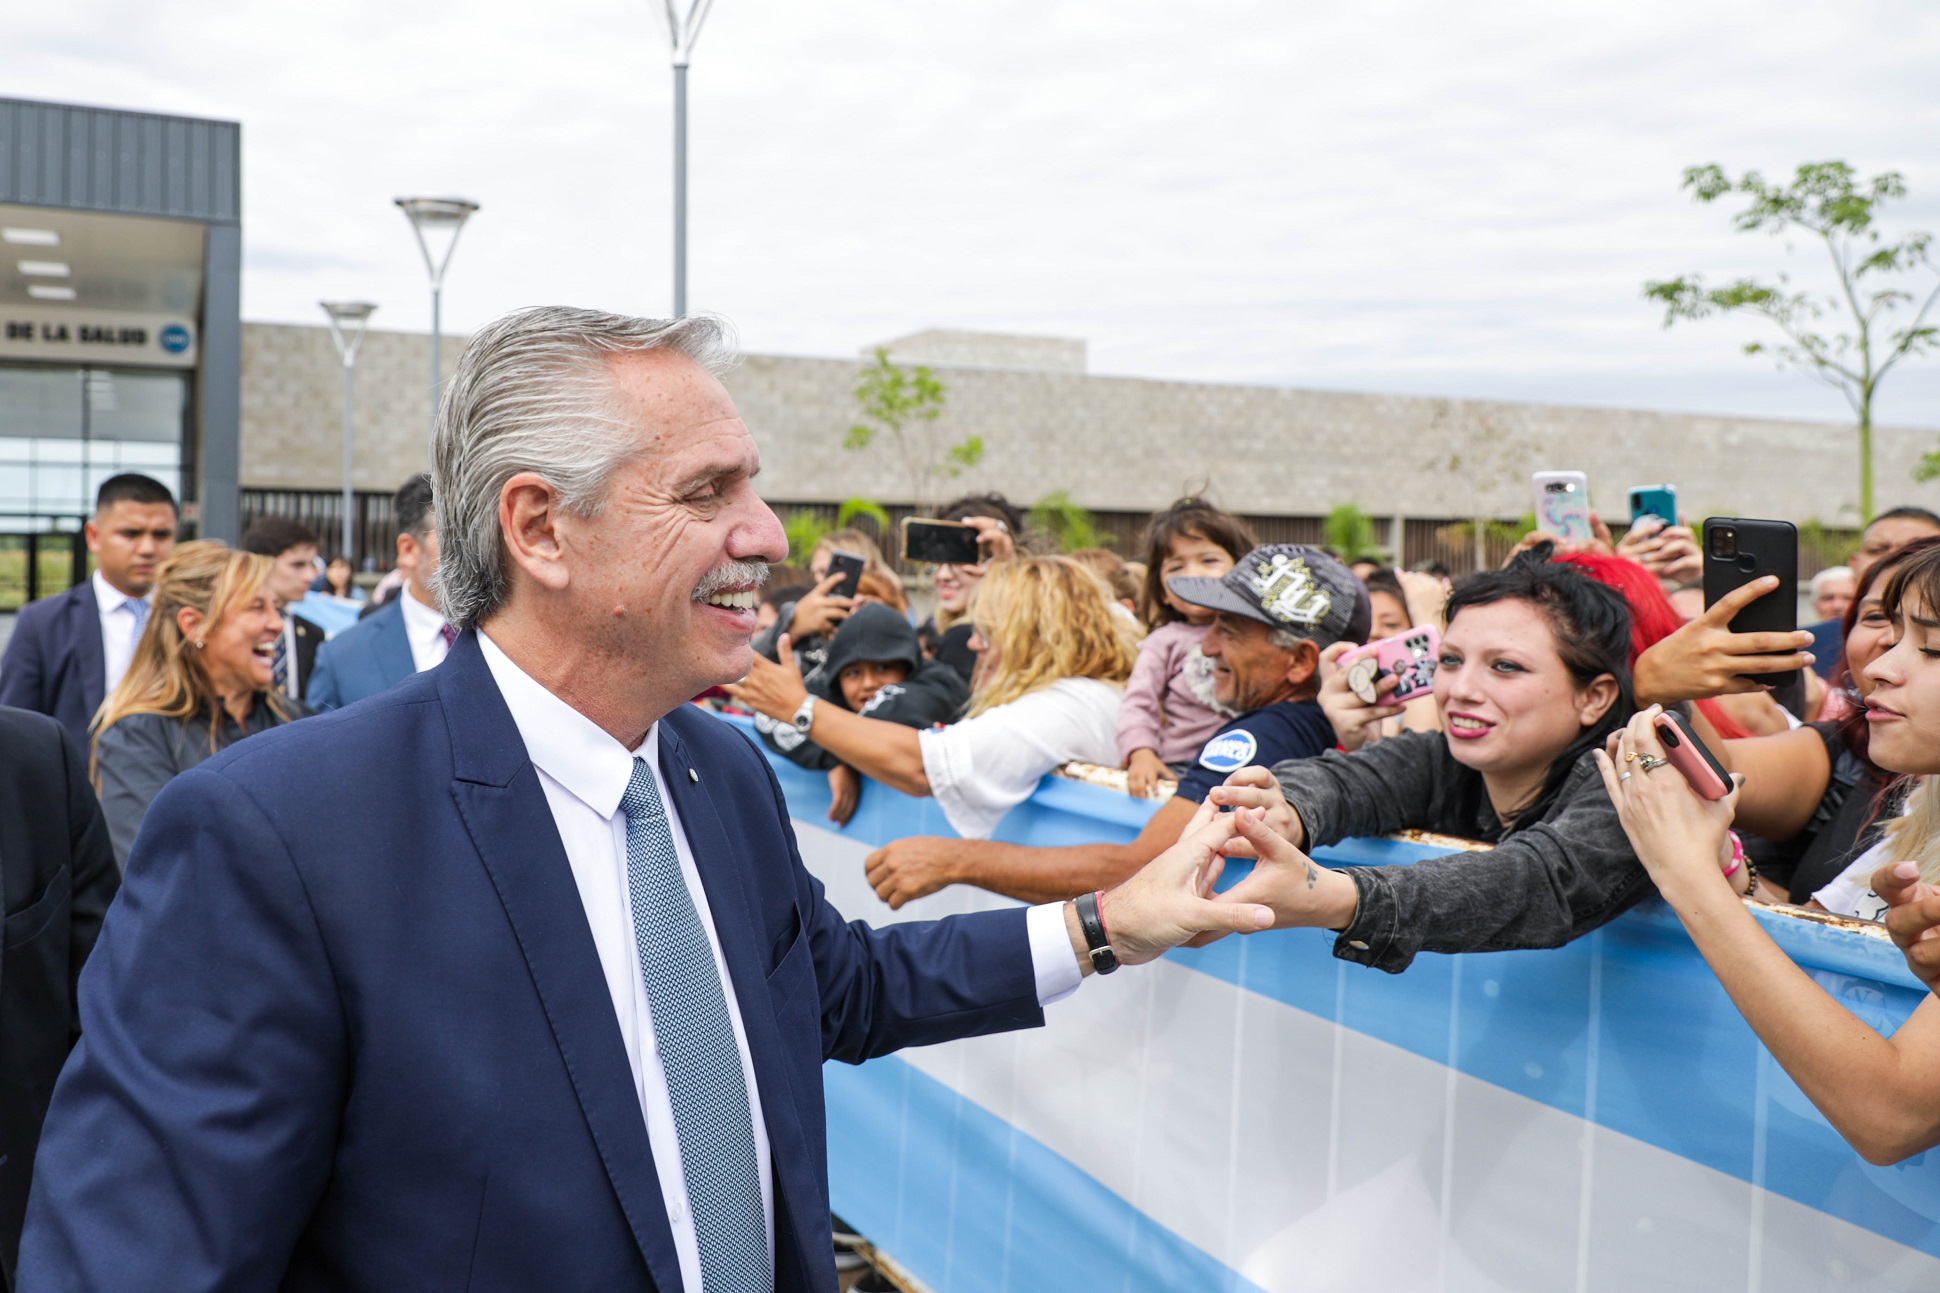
<point>1053,657</point>
<point>199,682</point>
<point>1881,1093</point>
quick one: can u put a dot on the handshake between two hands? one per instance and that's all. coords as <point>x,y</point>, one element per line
<point>1172,901</point>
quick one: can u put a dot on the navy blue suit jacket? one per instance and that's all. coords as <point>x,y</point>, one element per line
<point>376,1051</point>
<point>54,663</point>
<point>370,656</point>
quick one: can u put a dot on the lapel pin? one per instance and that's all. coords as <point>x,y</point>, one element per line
<point>693,776</point>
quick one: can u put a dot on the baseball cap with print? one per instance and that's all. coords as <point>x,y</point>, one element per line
<point>1287,586</point>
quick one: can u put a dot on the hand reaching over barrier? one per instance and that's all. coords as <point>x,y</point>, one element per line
<point>1170,902</point>
<point>1251,788</point>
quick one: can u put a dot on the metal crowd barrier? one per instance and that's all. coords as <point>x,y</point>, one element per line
<point>1257,1115</point>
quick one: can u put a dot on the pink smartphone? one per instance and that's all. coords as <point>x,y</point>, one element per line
<point>1689,756</point>
<point>1411,658</point>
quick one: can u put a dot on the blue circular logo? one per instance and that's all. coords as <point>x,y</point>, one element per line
<point>175,338</point>
<point>1229,751</point>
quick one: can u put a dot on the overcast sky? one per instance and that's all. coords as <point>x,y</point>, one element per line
<point>1397,195</point>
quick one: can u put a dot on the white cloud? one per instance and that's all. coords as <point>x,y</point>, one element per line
<point>1396,196</point>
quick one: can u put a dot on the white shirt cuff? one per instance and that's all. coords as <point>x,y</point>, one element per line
<point>1055,965</point>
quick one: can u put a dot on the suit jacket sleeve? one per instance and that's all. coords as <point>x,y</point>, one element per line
<point>209,969</point>
<point>91,861</point>
<point>23,670</point>
<point>914,983</point>
<point>322,692</point>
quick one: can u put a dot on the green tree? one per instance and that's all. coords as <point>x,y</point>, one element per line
<point>1071,525</point>
<point>805,529</point>
<point>1875,282</point>
<point>1350,531</point>
<point>845,516</point>
<point>904,404</point>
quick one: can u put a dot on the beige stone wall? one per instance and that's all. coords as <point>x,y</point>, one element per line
<point>1125,444</point>
<point>292,407</point>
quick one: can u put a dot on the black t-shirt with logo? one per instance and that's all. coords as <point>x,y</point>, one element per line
<point>1287,729</point>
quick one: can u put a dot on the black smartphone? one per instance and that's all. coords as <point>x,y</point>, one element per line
<point>850,566</point>
<point>1738,550</point>
<point>946,543</point>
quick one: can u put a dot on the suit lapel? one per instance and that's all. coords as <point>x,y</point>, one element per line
<point>505,811</point>
<point>723,875</point>
<point>89,651</point>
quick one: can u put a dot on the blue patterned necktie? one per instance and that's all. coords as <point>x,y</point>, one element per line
<point>279,667</point>
<point>697,1050</point>
<point>139,609</point>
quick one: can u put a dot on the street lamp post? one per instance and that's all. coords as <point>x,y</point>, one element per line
<point>347,320</point>
<point>439,216</point>
<point>683,30</point>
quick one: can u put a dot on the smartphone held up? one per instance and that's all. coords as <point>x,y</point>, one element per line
<point>943,543</point>
<point>1739,550</point>
<point>1563,505</point>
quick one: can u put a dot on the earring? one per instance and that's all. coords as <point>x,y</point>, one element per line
<point>198,644</point>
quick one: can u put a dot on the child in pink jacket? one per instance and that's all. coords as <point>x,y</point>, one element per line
<point>1169,710</point>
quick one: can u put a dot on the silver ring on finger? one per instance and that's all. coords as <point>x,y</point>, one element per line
<point>1650,763</point>
<point>1623,777</point>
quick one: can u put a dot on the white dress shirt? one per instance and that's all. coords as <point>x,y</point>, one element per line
<point>584,773</point>
<point>118,627</point>
<point>424,629</point>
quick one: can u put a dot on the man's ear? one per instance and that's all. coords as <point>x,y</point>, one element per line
<point>528,518</point>
<point>1303,664</point>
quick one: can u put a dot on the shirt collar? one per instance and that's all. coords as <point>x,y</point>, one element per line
<point>562,742</point>
<point>110,598</point>
<point>421,622</point>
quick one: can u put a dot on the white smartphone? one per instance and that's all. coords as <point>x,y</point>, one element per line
<point>1563,504</point>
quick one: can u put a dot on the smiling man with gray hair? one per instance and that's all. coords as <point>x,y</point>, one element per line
<point>549,1010</point>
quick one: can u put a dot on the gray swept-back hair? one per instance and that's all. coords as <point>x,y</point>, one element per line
<point>534,393</point>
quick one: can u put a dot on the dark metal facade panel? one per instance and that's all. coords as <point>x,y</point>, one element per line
<point>126,163</point>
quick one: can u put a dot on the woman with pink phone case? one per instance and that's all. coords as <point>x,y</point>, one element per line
<point>1690,756</point>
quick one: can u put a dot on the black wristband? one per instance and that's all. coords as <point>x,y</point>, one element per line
<point>1103,959</point>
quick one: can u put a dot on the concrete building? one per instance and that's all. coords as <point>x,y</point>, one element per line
<point>120,323</point>
<point>1121,446</point>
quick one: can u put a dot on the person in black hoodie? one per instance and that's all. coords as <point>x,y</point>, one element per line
<point>876,668</point>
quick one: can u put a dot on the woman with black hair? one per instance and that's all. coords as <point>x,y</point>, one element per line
<point>1534,676</point>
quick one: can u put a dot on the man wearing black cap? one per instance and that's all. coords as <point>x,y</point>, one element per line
<point>1278,609</point>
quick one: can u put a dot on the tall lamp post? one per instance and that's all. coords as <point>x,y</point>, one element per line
<point>347,320</point>
<point>683,30</point>
<point>437,217</point>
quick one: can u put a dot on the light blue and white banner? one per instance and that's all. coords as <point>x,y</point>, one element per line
<point>1259,1115</point>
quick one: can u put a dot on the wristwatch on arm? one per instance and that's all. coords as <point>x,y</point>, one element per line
<point>805,716</point>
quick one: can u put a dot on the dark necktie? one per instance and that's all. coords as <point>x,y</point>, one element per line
<point>695,1037</point>
<point>279,668</point>
<point>449,634</point>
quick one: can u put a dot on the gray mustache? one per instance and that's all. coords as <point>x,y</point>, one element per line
<point>729,576</point>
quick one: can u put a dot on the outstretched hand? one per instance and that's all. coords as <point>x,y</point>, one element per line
<point>1705,658</point>
<point>771,688</point>
<point>1169,902</point>
<point>1252,787</point>
<point>1298,890</point>
<point>1912,918</point>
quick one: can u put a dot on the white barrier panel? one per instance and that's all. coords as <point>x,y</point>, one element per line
<point>1259,1115</point>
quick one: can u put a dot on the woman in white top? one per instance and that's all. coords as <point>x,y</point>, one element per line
<point>1052,669</point>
